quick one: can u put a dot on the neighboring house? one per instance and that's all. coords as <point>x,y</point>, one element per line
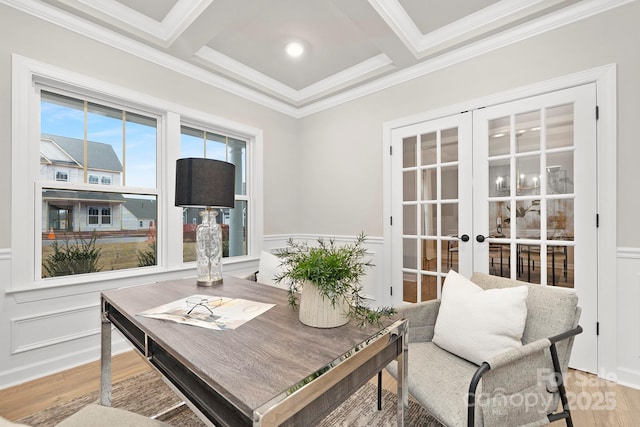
<point>139,214</point>
<point>62,159</point>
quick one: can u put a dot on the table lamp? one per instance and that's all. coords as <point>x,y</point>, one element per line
<point>206,183</point>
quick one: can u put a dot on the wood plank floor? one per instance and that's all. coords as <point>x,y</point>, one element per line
<point>28,398</point>
<point>595,402</point>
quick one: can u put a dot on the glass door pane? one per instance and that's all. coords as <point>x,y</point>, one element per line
<point>432,207</point>
<point>526,208</point>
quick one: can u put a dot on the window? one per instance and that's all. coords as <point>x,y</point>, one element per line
<point>105,216</point>
<point>124,134</point>
<point>62,176</point>
<point>93,216</point>
<point>95,136</point>
<point>99,216</point>
<point>197,142</point>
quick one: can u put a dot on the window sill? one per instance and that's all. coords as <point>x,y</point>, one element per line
<point>95,283</point>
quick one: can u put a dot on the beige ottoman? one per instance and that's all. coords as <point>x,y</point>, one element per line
<point>101,416</point>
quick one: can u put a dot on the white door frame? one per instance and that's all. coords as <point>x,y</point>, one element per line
<point>605,79</point>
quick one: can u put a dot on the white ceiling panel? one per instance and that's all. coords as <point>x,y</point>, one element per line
<point>353,47</point>
<point>156,9</point>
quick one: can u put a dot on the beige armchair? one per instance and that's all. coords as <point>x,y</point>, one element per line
<point>520,387</point>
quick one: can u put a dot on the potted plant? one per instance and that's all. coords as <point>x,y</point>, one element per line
<point>328,278</point>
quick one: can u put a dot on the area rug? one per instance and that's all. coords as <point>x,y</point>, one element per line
<point>147,394</point>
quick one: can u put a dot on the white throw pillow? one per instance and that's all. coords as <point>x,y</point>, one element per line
<point>269,267</point>
<point>478,324</point>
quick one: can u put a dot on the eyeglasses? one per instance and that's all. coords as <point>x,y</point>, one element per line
<point>204,302</point>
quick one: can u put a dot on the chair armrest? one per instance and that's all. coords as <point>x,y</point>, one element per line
<point>512,356</point>
<point>568,334</point>
<point>422,319</point>
<point>528,349</point>
<point>523,362</point>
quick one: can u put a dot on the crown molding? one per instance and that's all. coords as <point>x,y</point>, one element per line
<point>163,33</point>
<point>216,59</point>
<point>570,14</point>
<point>577,12</point>
<point>112,39</point>
<point>358,72</point>
<point>482,21</point>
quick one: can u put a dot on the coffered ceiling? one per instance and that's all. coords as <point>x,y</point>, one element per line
<point>352,47</point>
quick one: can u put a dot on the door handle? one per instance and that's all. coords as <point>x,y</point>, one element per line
<point>480,238</point>
<point>464,237</point>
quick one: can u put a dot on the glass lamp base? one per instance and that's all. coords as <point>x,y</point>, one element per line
<point>209,282</point>
<point>209,244</point>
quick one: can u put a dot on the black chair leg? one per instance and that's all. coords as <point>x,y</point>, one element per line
<point>566,412</point>
<point>380,391</point>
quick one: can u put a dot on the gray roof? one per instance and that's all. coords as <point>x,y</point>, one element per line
<point>99,155</point>
<point>141,208</point>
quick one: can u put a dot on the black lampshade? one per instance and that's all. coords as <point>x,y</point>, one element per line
<point>205,183</point>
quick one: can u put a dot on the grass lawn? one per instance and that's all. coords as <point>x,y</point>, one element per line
<point>122,255</point>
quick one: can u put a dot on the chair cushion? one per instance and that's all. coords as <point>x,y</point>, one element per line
<point>102,416</point>
<point>477,324</point>
<point>439,381</point>
<point>6,423</point>
<point>268,268</point>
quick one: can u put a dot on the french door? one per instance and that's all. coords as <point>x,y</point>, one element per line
<point>509,190</point>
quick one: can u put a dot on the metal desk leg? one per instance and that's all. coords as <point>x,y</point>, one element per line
<point>105,362</point>
<point>403,387</point>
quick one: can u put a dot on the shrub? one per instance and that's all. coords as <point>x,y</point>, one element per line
<point>148,257</point>
<point>73,258</point>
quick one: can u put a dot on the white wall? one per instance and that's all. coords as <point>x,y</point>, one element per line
<point>39,40</point>
<point>322,173</point>
<point>343,145</point>
<point>47,330</point>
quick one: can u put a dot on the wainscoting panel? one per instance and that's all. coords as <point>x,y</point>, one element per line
<point>44,336</point>
<point>628,317</point>
<point>46,329</point>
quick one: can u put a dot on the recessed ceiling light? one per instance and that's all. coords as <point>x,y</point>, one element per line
<point>294,49</point>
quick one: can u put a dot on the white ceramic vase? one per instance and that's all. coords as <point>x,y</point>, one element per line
<point>317,311</point>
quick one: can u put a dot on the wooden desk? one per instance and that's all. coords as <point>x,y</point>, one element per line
<point>270,371</point>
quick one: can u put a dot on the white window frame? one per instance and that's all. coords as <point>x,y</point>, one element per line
<point>93,179</point>
<point>206,127</point>
<point>105,180</point>
<point>26,213</point>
